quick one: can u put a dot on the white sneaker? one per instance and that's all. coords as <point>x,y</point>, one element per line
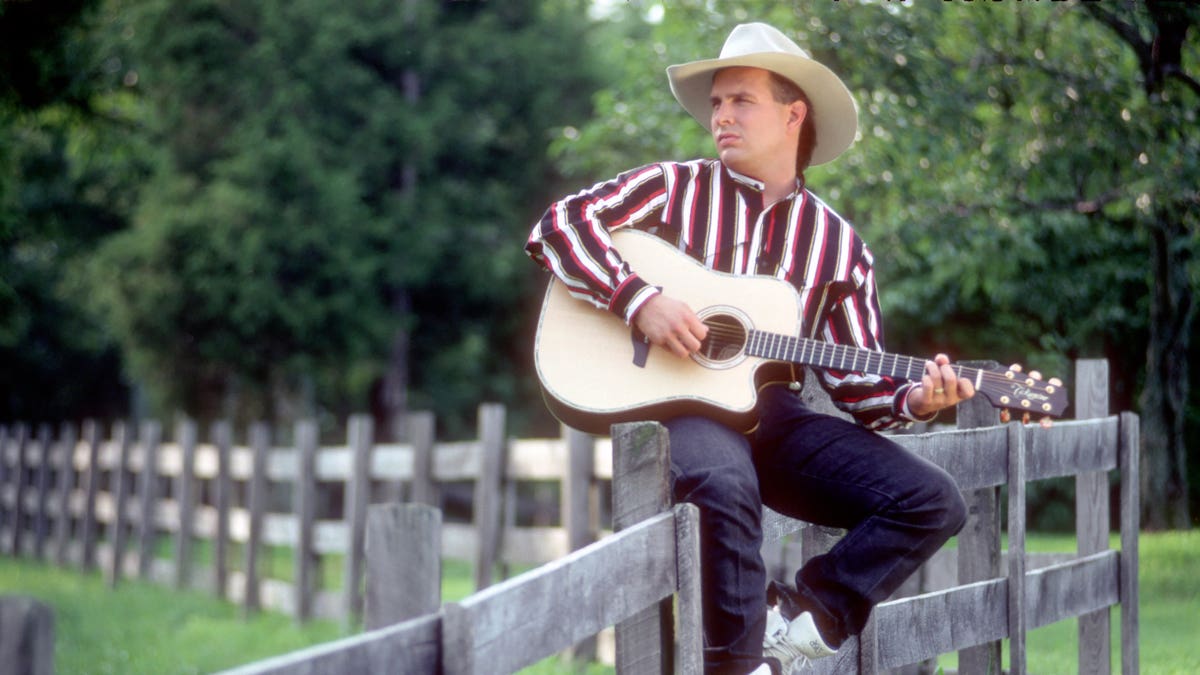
<point>793,642</point>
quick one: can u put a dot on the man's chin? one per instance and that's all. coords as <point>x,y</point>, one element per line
<point>729,156</point>
<point>734,160</point>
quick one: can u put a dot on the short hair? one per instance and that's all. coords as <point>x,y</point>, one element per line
<point>785,91</point>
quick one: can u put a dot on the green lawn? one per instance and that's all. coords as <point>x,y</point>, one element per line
<point>146,628</point>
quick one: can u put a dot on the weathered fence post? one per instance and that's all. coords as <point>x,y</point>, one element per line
<point>403,545</point>
<point>222,432</point>
<point>577,493</point>
<point>65,483</point>
<point>1129,454</point>
<point>489,505</point>
<point>1091,514</point>
<point>1016,549</point>
<point>421,435</point>
<point>41,483</point>
<point>576,507</point>
<point>979,540</point>
<point>26,636</point>
<point>306,516</point>
<point>185,497</point>
<point>641,489</point>
<point>120,522</point>
<point>260,444</point>
<point>4,475</point>
<point>357,496</point>
<point>91,437</point>
<point>16,523</point>
<point>151,436</point>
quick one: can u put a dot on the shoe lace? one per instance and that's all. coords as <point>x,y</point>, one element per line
<point>789,655</point>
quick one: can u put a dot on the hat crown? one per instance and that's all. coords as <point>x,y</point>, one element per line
<point>759,38</point>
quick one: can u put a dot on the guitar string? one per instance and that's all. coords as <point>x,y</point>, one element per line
<point>735,335</point>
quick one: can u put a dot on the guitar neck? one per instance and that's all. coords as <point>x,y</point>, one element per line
<point>847,358</point>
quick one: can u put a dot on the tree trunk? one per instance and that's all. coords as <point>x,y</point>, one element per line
<point>393,395</point>
<point>1164,397</point>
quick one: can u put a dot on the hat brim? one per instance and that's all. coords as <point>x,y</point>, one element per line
<point>833,108</point>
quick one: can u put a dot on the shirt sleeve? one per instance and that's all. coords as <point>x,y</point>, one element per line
<point>572,239</point>
<point>877,402</point>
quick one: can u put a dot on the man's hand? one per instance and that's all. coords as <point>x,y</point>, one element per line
<point>940,388</point>
<point>670,324</point>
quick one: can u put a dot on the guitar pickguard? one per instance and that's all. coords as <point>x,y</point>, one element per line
<point>641,347</point>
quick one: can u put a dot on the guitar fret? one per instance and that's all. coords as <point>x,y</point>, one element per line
<point>779,347</point>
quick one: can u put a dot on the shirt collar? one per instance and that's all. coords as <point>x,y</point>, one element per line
<point>754,183</point>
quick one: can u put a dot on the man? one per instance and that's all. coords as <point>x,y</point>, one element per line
<point>772,112</point>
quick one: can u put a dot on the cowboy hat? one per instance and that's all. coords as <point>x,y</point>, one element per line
<point>761,46</point>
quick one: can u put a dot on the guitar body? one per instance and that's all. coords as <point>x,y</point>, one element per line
<point>595,371</point>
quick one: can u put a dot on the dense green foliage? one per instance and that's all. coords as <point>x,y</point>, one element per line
<point>282,209</point>
<point>66,173</point>
<point>328,178</point>
<point>264,200</point>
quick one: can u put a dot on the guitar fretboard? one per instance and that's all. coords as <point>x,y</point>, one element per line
<point>839,357</point>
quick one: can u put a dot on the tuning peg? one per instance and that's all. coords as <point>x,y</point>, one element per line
<point>1056,382</point>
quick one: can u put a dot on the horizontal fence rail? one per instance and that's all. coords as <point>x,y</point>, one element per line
<point>537,614</point>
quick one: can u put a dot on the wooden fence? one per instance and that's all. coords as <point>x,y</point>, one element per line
<point>995,597</point>
<point>520,621</point>
<point>76,497</point>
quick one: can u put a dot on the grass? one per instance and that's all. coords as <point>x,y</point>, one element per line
<point>147,628</point>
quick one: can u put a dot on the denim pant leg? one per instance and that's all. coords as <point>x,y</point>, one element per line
<point>711,467</point>
<point>897,508</point>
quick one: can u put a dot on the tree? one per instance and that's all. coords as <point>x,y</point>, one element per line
<point>336,186</point>
<point>67,179</point>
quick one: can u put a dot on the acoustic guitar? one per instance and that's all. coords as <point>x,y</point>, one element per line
<point>596,371</point>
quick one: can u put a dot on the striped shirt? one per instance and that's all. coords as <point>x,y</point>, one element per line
<point>717,217</point>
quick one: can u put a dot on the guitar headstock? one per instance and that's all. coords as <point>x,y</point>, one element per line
<point>1012,389</point>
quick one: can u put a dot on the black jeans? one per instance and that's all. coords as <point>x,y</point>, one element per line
<point>897,508</point>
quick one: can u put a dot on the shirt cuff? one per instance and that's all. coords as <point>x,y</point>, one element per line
<point>630,296</point>
<point>906,412</point>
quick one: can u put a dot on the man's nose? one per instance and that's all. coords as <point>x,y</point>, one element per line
<point>720,115</point>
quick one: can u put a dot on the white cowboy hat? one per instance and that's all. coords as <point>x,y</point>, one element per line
<point>761,46</point>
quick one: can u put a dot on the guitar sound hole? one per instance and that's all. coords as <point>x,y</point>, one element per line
<point>725,340</point>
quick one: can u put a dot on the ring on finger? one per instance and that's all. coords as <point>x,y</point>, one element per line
<point>939,390</point>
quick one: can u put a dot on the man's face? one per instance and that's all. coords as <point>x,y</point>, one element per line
<point>754,133</point>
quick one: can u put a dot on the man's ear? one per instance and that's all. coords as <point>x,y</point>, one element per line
<point>797,113</point>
